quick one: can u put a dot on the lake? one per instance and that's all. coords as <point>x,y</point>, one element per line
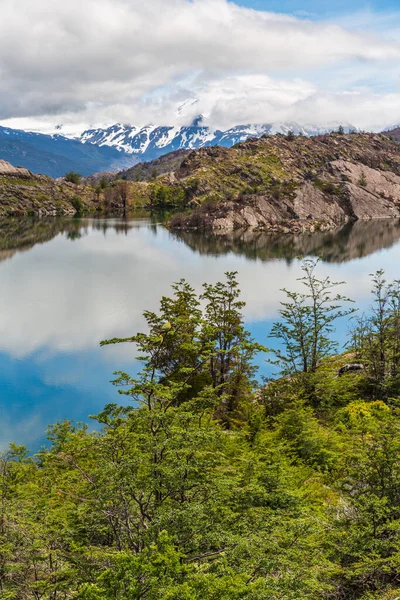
<point>67,284</point>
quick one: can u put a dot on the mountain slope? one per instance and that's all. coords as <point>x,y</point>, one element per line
<point>145,171</point>
<point>393,133</point>
<point>151,142</point>
<point>281,183</point>
<point>55,155</point>
<point>22,192</point>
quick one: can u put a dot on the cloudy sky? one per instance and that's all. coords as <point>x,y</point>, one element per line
<point>95,62</point>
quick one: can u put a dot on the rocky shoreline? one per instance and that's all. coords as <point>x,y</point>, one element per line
<point>310,185</point>
<point>24,193</point>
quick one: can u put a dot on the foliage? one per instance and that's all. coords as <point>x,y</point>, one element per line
<point>306,323</point>
<point>104,183</point>
<point>208,487</point>
<point>117,196</point>
<point>376,338</point>
<point>73,177</point>
<point>163,196</point>
<point>77,203</point>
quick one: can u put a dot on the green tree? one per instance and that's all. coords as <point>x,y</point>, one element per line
<point>78,204</point>
<point>104,183</point>
<point>367,538</point>
<point>307,322</point>
<point>204,351</point>
<point>376,337</point>
<point>73,177</point>
<point>231,349</point>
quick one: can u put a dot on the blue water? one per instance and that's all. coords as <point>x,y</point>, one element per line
<point>68,284</point>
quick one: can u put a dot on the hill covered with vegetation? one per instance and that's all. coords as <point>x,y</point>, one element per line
<point>275,183</point>
<point>209,485</point>
<point>284,183</point>
<point>24,193</point>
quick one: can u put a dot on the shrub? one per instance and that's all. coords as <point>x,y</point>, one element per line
<point>73,177</point>
<point>363,180</point>
<point>104,183</point>
<point>77,204</point>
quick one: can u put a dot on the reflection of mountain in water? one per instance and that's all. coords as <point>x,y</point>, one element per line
<point>22,234</point>
<point>351,241</point>
<point>354,240</point>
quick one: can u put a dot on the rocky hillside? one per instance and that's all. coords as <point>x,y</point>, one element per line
<point>287,183</point>
<point>393,133</point>
<point>146,171</point>
<point>22,192</point>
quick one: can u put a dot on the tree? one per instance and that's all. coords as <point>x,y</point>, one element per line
<point>73,177</point>
<point>116,196</point>
<point>376,337</point>
<point>122,194</point>
<point>205,352</point>
<point>231,349</point>
<point>307,323</point>
<point>78,204</point>
<point>104,183</point>
<point>367,534</point>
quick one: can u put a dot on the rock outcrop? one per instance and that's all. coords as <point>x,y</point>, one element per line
<point>292,185</point>
<point>22,193</point>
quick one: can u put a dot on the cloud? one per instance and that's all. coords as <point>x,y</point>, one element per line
<point>108,60</point>
<point>66,296</point>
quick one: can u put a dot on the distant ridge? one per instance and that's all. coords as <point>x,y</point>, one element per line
<point>55,155</point>
<point>151,142</point>
<point>393,133</point>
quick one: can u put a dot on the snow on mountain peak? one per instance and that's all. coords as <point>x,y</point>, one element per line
<point>151,141</point>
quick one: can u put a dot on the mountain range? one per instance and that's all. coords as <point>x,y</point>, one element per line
<point>150,142</point>
<point>55,155</point>
<point>120,147</point>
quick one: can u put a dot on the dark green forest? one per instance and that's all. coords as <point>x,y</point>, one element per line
<point>207,483</point>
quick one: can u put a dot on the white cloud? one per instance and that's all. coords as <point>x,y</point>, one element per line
<point>129,60</point>
<point>67,297</point>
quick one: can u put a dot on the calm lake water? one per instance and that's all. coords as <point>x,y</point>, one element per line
<point>67,284</point>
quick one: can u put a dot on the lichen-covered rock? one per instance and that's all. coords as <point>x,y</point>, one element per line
<point>9,170</point>
<point>281,184</point>
<point>22,192</point>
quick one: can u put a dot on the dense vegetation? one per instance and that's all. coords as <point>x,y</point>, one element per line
<point>211,487</point>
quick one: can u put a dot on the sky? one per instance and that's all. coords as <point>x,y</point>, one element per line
<point>92,63</point>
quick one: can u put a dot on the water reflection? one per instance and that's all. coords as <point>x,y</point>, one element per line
<point>22,234</point>
<point>353,240</point>
<point>69,283</point>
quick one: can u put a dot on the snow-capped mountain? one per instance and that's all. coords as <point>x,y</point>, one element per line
<point>150,142</point>
<point>55,154</point>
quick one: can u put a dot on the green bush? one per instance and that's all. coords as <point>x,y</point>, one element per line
<point>77,204</point>
<point>73,177</point>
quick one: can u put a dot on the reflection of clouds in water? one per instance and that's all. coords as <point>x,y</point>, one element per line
<point>20,430</point>
<point>67,296</point>
<point>61,298</point>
